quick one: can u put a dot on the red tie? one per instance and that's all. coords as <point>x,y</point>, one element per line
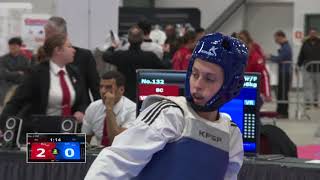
<point>66,108</point>
<point>105,140</point>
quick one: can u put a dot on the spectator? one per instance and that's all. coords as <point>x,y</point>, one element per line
<point>170,31</point>
<point>182,56</point>
<point>109,116</point>
<point>256,63</point>
<point>147,44</point>
<point>128,61</point>
<point>13,67</point>
<point>157,35</point>
<point>53,88</point>
<point>171,44</point>
<point>200,32</point>
<point>310,53</point>
<point>234,35</point>
<point>284,59</point>
<point>83,60</point>
<point>172,134</point>
<point>26,52</point>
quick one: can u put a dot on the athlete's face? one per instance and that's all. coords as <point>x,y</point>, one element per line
<point>205,81</point>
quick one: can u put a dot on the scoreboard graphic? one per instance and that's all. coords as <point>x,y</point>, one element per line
<point>56,148</point>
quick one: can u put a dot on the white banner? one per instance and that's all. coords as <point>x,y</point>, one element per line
<point>10,22</point>
<point>33,30</point>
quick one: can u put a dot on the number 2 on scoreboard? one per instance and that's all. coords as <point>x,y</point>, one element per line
<point>41,154</point>
<point>42,151</point>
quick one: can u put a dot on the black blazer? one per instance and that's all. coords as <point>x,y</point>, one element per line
<point>85,62</point>
<point>128,62</point>
<point>34,90</point>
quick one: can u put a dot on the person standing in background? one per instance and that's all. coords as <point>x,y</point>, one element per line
<point>310,52</point>
<point>128,61</point>
<point>182,56</point>
<point>83,59</point>
<point>171,44</point>
<point>200,33</point>
<point>147,44</point>
<point>52,88</point>
<point>284,59</point>
<point>256,63</point>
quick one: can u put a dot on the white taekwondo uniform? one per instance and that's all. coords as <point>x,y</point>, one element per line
<point>171,142</point>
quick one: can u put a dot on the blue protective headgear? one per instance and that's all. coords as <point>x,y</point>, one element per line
<point>231,55</point>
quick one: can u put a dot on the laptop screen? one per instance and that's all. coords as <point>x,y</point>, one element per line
<point>242,109</point>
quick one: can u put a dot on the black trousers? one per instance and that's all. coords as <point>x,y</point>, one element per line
<point>284,82</point>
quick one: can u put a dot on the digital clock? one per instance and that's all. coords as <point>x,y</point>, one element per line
<point>55,139</point>
<point>43,147</point>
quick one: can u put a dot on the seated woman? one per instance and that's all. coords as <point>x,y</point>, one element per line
<point>53,88</point>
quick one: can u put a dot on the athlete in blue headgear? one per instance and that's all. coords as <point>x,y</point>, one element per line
<point>184,138</point>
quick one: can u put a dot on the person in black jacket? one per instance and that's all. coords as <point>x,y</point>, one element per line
<point>53,87</point>
<point>83,59</point>
<point>13,67</point>
<point>128,61</point>
<point>310,53</point>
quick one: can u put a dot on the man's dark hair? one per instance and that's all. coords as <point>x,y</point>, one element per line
<point>135,35</point>
<point>145,26</point>
<point>15,41</point>
<point>280,34</point>
<point>200,30</point>
<point>234,34</point>
<point>118,76</point>
<point>189,36</point>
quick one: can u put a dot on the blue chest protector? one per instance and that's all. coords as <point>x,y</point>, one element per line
<point>201,153</point>
<point>186,159</point>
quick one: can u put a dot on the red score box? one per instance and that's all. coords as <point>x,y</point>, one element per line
<point>42,151</point>
<point>164,90</point>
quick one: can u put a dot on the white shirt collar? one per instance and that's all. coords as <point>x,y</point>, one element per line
<point>55,68</point>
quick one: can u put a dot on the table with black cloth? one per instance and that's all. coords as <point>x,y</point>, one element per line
<point>282,169</point>
<point>13,166</point>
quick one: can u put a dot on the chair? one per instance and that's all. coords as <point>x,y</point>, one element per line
<point>270,115</point>
<point>275,141</point>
